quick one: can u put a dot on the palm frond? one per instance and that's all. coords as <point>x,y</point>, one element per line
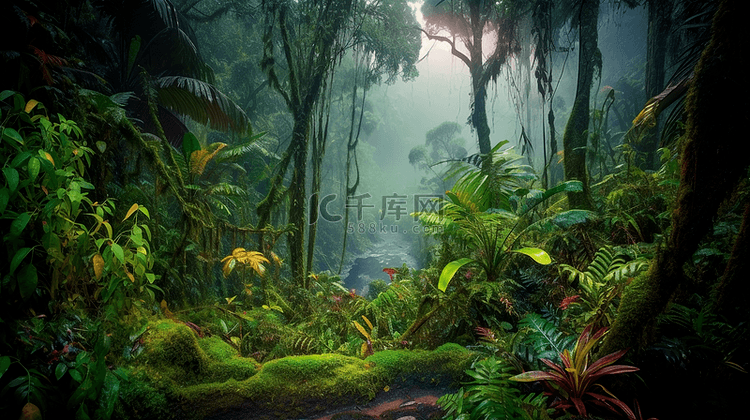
<point>202,102</point>
<point>171,51</point>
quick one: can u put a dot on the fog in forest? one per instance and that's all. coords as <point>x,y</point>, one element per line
<point>442,93</point>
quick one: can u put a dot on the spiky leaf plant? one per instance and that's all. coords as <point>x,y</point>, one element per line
<point>573,382</point>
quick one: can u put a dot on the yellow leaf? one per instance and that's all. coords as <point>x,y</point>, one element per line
<point>200,158</point>
<point>30,412</point>
<point>228,266</point>
<point>130,212</point>
<point>98,266</point>
<point>49,158</point>
<point>362,330</point>
<point>367,321</point>
<point>387,388</point>
<point>231,299</point>
<point>130,276</point>
<point>30,105</point>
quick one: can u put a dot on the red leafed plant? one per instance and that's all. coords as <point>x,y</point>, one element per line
<point>390,272</point>
<point>573,382</point>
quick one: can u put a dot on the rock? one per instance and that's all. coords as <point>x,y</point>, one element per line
<point>407,418</point>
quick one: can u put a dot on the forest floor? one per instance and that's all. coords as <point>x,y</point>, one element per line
<point>398,403</point>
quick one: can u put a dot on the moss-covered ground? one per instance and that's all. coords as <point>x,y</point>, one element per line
<point>182,375</point>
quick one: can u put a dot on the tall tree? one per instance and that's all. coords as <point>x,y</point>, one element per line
<point>308,34</point>
<point>659,28</point>
<point>575,138</point>
<point>385,44</point>
<point>312,37</point>
<point>470,24</point>
<point>711,168</point>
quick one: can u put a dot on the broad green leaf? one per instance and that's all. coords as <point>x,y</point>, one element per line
<point>538,255</point>
<point>144,211</point>
<point>76,375</point>
<point>33,168</point>
<point>569,218</point>
<point>450,270</point>
<point>17,258</point>
<point>6,94</point>
<point>4,198</point>
<point>11,177</point>
<point>108,396</point>
<point>60,370</point>
<point>190,144</point>
<point>27,281</point>
<point>101,146</point>
<point>11,134</point>
<point>19,224</point>
<point>20,159</point>
<point>4,364</point>
<point>119,253</point>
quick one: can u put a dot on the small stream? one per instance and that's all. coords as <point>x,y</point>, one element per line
<point>390,251</point>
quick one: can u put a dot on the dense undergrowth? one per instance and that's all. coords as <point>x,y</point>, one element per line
<point>134,284</point>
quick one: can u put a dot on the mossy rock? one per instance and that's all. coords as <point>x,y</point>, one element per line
<point>204,377</point>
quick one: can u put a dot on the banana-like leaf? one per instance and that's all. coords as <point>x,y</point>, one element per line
<point>189,144</point>
<point>450,270</point>
<point>202,102</point>
<point>537,254</point>
<point>534,197</point>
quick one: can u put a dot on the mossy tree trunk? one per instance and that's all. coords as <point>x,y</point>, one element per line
<point>310,51</point>
<point>575,138</point>
<point>712,165</point>
<point>732,292</point>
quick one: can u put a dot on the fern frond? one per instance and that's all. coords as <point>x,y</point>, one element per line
<point>547,341</point>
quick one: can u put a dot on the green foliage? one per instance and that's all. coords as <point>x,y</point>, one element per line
<point>491,395</point>
<point>698,339</point>
<point>600,286</point>
<point>65,252</point>
<point>484,209</point>
<point>540,338</point>
<point>73,378</point>
<point>46,197</point>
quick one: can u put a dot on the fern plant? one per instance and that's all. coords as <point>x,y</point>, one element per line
<point>600,286</point>
<point>491,395</point>
<point>540,339</point>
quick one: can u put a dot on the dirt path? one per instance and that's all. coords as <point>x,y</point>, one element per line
<point>396,404</point>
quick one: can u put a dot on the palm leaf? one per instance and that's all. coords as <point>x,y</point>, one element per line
<point>171,51</point>
<point>202,102</point>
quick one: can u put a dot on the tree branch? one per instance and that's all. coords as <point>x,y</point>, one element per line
<point>454,51</point>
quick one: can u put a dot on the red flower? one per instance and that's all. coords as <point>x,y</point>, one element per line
<point>567,301</point>
<point>390,272</point>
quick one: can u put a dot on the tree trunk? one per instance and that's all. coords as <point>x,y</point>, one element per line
<point>659,25</point>
<point>575,138</point>
<point>711,168</point>
<point>296,239</point>
<point>730,296</point>
<point>478,83</point>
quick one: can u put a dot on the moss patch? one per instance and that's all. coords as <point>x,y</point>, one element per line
<point>203,377</point>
